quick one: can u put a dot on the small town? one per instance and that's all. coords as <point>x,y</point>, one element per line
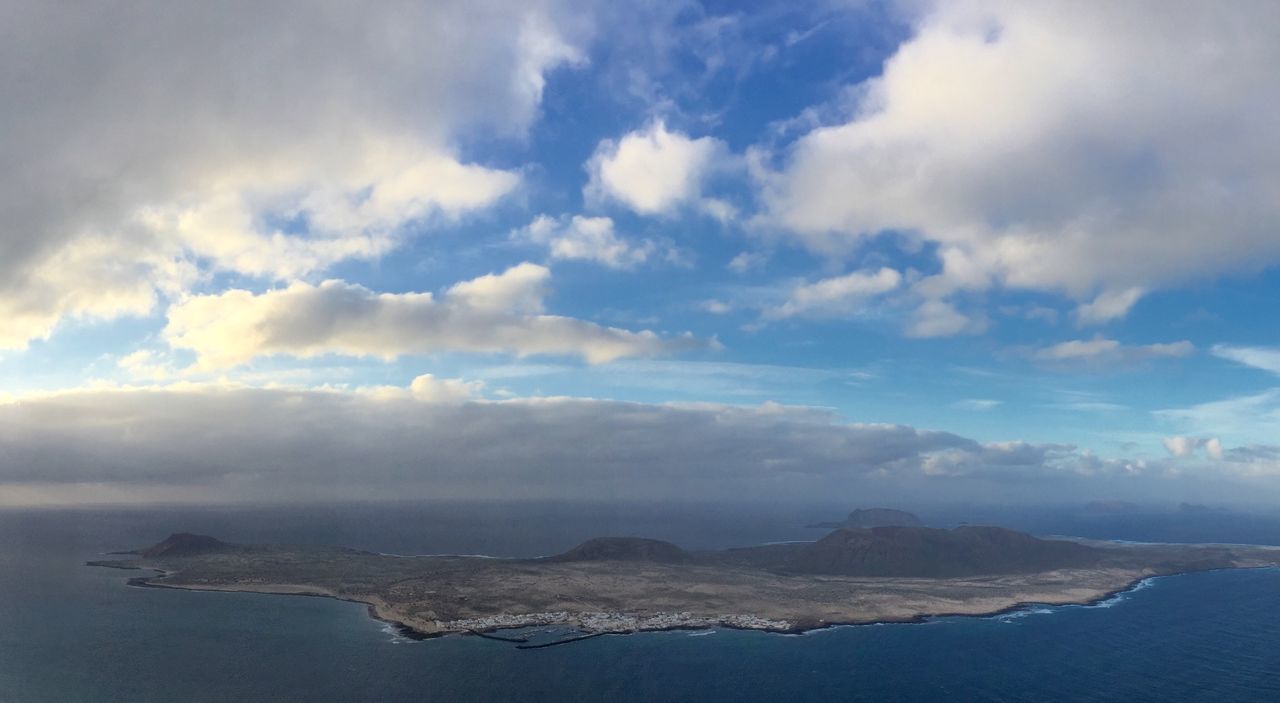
<point>613,622</point>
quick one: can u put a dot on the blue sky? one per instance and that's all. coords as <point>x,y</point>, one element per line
<point>1044,232</point>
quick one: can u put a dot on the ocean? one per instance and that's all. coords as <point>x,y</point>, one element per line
<point>74,633</point>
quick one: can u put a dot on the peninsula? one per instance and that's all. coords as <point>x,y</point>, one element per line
<point>873,517</point>
<point>627,584</point>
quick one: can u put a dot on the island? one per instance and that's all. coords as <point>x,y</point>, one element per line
<point>629,584</point>
<point>873,517</point>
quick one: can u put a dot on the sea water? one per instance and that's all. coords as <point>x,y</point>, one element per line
<point>75,633</point>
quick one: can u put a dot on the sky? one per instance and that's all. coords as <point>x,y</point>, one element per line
<point>901,252</point>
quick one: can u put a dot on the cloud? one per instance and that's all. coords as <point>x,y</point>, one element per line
<point>720,210</point>
<point>428,388</point>
<point>229,443</point>
<point>981,404</point>
<point>1102,349</point>
<point>89,278</point>
<point>495,313</point>
<point>838,295</point>
<point>1080,349</point>
<point>520,288</point>
<point>1253,460</point>
<point>1264,358</point>
<point>1050,146</point>
<point>1109,305</point>
<point>654,171</point>
<point>354,211</point>
<point>1180,446</point>
<point>939,318</point>
<point>181,139</point>
<point>747,261</point>
<point>1001,457</point>
<point>146,365</point>
<point>715,307</point>
<point>1092,406</point>
<point>590,239</point>
<point>1238,419</point>
<point>1169,349</point>
<point>1039,313</point>
<point>1257,454</point>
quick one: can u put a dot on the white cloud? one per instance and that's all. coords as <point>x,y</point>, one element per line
<point>1004,457</point>
<point>720,210</point>
<point>429,389</point>
<point>183,138</point>
<point>1096,150</point>
<point>1183,447</point>
<point>747,261</point>
<point>86,278</point>
<point>146,365</point>
<point>426,388</point>
<point>1166,349</point>
<point>353,211</point>
<point>938,318</point>
<point>590,239</point>
<point>496,313</point>
<point>1237,420</point>
<point>1100,348</point>
<point>1213,447</point>
<point>837,295</point>
<point>520,288</point>
<point>1080,349</point>
<point>980,404</point>
<point>654,171</point>
<point>1264,358</point>
<point>716,307</point>
<point>1109,305</point>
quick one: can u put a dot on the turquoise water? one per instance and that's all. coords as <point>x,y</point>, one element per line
<point>72,633</point>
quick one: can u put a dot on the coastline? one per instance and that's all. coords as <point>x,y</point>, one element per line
<point>155,581</point>
<point>374,611</point>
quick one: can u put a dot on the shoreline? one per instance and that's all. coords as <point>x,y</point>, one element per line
<point>153,581</point>
<point>409,632</point>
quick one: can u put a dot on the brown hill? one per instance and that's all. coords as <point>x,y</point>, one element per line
<point>182,544</point>
<point>874,517</point>
<point>625,549</point>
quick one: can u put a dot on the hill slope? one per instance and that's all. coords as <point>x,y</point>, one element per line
<point>874,517</point>
<point>183,544</point>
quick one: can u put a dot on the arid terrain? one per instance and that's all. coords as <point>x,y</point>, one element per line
<point>883,574</point>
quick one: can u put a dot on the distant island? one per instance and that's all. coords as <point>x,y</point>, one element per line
<point>627,584</point>
<point>873,517</point>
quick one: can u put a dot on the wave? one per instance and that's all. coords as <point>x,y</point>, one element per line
<point>1122,596</point>
<point>393,632</point>
<point>1025,612</point>
<point>1109,602</point>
